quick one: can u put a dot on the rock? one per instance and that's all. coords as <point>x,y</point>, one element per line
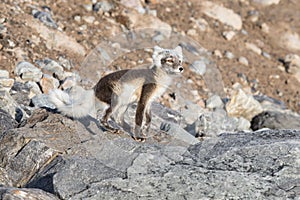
<point>65,63</point>
<point>48,83</point>
<point>57,40</point>
<point>218,53</point>
<point>261,164</point>
<point>51,67</point>
<point>41,101</point>
<point>23,157</point>
<point>9,105</point>
<point>89,19</point>
<point>34,89</point>
<point>253,48</point>
<point>45,18</point>
<point>200,24</point>
<point>4,74</point>
<point>266,55</point>
<point>28,72</point>
<point>192,32</point>
<point>20,93</point>
<point>290,40</point>
<point>243,61</point>
<point>243,105</point>
<point>275,120</point>
<point>135,4</point>
<point>25,194</point>
<point>149,22</point>
<point>104,6</point>
<point>292,65</point>
<point>199,66</point>
<point>266,2</point>
<point>4,179</point>
<point>214,102</point>
<point>265,28</point>
<point>6,123</point>
<point>228,35</point>
<point>6,83</point>
<point>229,55</point>
<point>224,15</point>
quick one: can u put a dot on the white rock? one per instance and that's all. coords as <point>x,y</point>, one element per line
<point>243,105</point>
<point>34,89</point>
<point>229,55</point>
<point>48,83</point>
<point>228,35</point>
<point>265,28</point>
<point>4,74</point>
<point>192,32</point>
<point>135,4</point>
<point>88,19</point>
<point>253,48</point>
<point>243,61</point>
<point>266,2</point>
<point>291,41</point>
<point>222,14</point>
<point>6,83</point>
<point>28,72</point>
<point>218,53</point>
<point>214,101</point>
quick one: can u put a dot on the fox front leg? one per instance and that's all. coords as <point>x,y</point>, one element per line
<point>143,115</point>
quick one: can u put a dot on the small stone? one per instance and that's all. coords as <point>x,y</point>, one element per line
<point>265,28</point>
<point>88,7</point>
<point>253,48</point>
<point>77,18</point>
<point>243,61</point>
<point>229,55</point>
<point>135,4</point>
<point>65,63</point>
<point>34,89</point>
<point>291,41</point>
<point>89,19</point>
<point>6,83</point>
<point>4,74</point>
<point>199,66</point>
<point>266,2</point>
<point>45,18</point>
<point>192,32</point>
<point>104,6</point>
<point>228,35</point>
<point>69,82</point>
<point>41,101</point>
<point>51,67</point>
<point>266,55</point>
<point>214,101</point>
<point>224,15</point>
<point>28,72</point>
<point>218,53</point>
<point>48,83</point>
<point>11,43</point>
<point>243,105</point>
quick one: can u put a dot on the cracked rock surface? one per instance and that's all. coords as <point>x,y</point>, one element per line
<point>92,164</point>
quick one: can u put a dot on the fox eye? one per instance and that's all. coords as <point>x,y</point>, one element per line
<point>170,60</point>
<point>180,61</point>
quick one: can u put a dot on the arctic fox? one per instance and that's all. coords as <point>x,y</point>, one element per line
<point>121,88</point>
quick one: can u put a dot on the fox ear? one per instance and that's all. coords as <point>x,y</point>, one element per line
<point>157,49</point>
<point>178,50</point>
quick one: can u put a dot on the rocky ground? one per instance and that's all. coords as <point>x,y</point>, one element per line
<point>228,128</point>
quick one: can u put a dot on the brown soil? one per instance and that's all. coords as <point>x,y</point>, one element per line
<point>268,74</point>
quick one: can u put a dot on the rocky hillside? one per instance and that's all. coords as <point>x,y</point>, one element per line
<point>228,128</point>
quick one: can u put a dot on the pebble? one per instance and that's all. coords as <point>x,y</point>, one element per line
<point>4,73</point>
<point>104,6</point>
<point>222,14</point>
<point>77,18</point>
<point>218,53</point>
<point>243,61</point>
<point>214,101</point>
<point>291,41</point>
<point>45,18</point>
<point>253,48</point>
<point>6,83</point>
<point>267,2</point>
<point>266,55</point>
<point>199,66</point>
<point>192,32</point>
<point>53,68</point>
<point>34,89</point>
<point>65,63</point>
<point>135,4</point>
<point>229,55</point>
<point>200,24</point>
<point>28,72</point>
<point>89,19</point>
<point>243,105</point>
<point>228,35</point>
<point>48,83</point>
<point>265,28</point>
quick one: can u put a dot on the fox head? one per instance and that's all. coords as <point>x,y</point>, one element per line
<point>169,60</point>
